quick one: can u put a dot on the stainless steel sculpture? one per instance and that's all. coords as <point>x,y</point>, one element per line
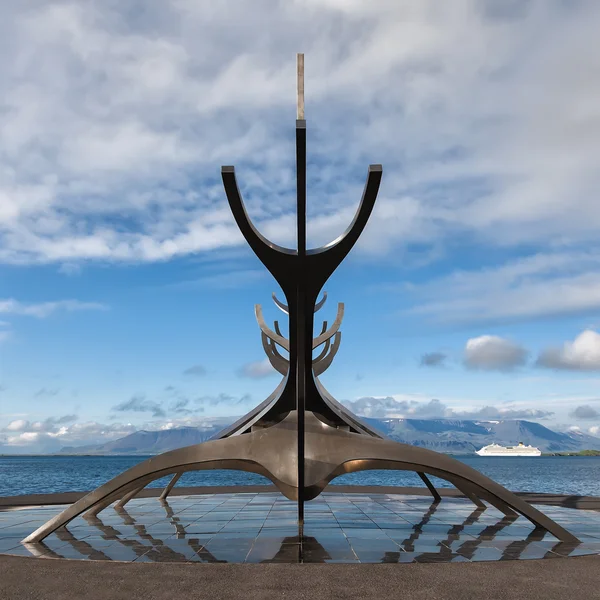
<point>300,437</point>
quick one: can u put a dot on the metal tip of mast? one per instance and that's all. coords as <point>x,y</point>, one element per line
<point>300,86</point>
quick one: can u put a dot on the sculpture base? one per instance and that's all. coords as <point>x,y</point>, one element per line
<point>341,527</point>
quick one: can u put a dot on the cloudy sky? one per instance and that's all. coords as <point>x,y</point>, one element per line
<point>126,292</point>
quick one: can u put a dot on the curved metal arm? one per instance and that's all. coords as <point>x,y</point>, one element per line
<point>280,304</point>
<point>333,329</point>
<point>328,258</point>
<point>277,361</point>
<point>285,309</point>
<point>322,365</point>
<point>276,352</point>
<point>277,330</point>
<point>319,304</point>
<point>323,352</point>
<point>267,330</point>
<point>344,243</point>
<point>264,249</point>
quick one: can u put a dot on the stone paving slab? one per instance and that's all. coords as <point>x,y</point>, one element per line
<point>261,528</point>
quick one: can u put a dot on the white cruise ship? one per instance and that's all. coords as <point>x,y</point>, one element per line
<point>498,450</point>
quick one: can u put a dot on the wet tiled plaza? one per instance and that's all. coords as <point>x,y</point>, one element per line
<point>261,528</point>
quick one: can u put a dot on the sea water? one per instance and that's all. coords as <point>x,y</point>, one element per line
<point>48,474</point>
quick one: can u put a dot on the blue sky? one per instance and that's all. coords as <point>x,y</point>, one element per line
<point>126,292</point>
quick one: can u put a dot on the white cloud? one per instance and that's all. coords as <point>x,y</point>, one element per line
<point>51,425</point>
<point>113,125</point>
<point>547,283</point>
<point>582,354</point>
<point>54,433</point>
<point>44,309</point>
<point>409,407</point>
<point>258,369</point>
<point>493,353</point>
<point>200,422</point>
<point>17,425</point>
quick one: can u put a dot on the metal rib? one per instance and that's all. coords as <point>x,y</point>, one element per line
<point>277,330</point>
<point>283,342</point>
<point>280,304</point>
<point>319,304</point>
<point>323,352</point>
<point>277,362</point>
<point>333,329</point>
<point>322,365</point>
<point>267,251</point>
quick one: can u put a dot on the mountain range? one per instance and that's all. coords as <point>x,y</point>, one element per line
<point>453,436</point>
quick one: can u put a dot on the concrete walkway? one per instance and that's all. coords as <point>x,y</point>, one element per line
<point>562,579</point>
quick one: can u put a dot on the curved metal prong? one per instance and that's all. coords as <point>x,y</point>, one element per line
<point>319,304</point>
<point>267,330</point>
<point>340,247</point>
<point>277,330</point>
<point>276,352</point>
<point>280,304</point>
<point>333,329</point>
<point>277,361</point>
<point>264,249</point>
<point>321,366</point>
<point>323,352</point>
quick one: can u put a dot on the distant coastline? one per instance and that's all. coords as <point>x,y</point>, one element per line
<point>580,453</point>
<point>71,455</point>
<point>148,454</point>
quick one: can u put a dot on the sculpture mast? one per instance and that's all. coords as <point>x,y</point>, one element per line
<point>304,324</point>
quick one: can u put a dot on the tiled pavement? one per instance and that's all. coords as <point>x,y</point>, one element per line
<point>261,528</point>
